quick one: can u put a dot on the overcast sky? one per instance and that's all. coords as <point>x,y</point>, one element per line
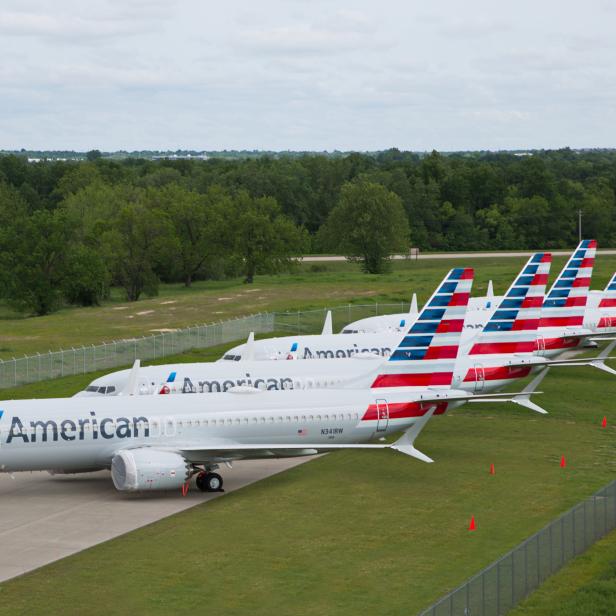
<point>307,74</point>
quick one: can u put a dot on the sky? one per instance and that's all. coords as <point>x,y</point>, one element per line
<point>307,75</point>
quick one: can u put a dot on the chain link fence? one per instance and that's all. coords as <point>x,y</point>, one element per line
<point>119,353</point>
<point>505,583</point>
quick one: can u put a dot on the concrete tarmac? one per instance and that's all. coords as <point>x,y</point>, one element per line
<point>45,518</point>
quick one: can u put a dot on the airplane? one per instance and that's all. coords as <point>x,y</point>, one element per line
<point>561,327</point>
<point>556,330</point>
<point>481,368</point>
<point>161,442</point>
<point>396,322</point>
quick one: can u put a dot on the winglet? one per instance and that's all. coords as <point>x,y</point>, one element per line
<point>249,349</point>
<point>523,399</point>
<point>130,389</point>
<point>406,443</point>
<point>327,326</point>
<point>600,361</point>
<point>413,309</point>
<point>490,293</point>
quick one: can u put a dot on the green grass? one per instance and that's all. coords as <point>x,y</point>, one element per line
<point>212,301</point>
<point>587,585</point>
<point>353,532</point>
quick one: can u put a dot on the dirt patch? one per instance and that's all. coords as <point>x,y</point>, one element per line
<point>171,301</point>
<point>144,312</point>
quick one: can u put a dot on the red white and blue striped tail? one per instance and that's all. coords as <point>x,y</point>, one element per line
<point>607,305</point>
<point>427,353</point>
<point>513,326</point>
<point>565,303</point>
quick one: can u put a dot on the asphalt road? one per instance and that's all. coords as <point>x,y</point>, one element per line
<point>457,255</point>
<point>45,518</point>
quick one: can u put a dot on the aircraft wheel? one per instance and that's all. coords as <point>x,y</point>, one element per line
<point>213,482</point>
<point>200,481</point>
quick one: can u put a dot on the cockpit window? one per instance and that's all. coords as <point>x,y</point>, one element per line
<point>101,390</point>
<point>349,331</point>
<point>231,357</point>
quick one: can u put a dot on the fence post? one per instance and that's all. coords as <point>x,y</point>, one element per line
<point>573,524</point>
<point>562,541</point>
<point>14,371</point>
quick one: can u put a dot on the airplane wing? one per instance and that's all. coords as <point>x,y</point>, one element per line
<point>225,451</point>
<point>231,451</point>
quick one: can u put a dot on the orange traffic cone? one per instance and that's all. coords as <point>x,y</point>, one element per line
<point>472,526</point>
<point>604,422</point>
<point>492,470</point>
<point>563,463</point>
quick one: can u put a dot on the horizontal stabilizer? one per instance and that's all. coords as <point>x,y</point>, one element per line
<point>523,398</point>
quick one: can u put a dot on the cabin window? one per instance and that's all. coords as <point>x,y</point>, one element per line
<point>318,418</point>
<point>262,419</point>
<point>238,421</point>
<point>245,420</point>
<point>271,420</point>
<point>296,419</point>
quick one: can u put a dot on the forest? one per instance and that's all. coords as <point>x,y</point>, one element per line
<point>72,229</point>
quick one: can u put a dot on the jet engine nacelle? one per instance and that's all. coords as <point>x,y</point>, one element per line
<point>145,468</point>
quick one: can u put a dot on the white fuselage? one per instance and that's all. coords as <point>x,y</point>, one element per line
<point>72,434</point>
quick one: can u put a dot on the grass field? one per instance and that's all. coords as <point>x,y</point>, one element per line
<point>351,532</point>
<point>211,301</point>
<point>587,585</point>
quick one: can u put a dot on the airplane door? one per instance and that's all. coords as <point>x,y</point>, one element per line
<point>480,377</point>
<point>382,414</point>
<point>540,346</point>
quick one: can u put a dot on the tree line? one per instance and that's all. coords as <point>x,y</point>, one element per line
<point>70,230</point>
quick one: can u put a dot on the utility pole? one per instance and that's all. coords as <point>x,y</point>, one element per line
<point>579,226</point>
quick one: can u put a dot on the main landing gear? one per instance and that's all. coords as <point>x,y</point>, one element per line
<point>209,482</point>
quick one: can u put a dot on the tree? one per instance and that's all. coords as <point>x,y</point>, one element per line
<point>35,249</point>
<point>198,221</point>
<point>263,239</point>
<point>93,155</point>
<point>139,240</point>
<point>86,278</point>
<point>368,225</point>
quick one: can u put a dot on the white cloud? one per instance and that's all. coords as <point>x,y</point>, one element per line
<point>306,75</point>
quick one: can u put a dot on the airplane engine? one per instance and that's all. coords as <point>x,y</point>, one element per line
<point>145,468</point>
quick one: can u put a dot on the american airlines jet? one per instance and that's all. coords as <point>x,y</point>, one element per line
<point>160,442</point>
<point>561,327</point>
<point>493,357</point>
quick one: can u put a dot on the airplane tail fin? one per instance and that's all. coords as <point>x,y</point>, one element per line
<point>565,303</point>
<point>513,326</point>
<point>426,355</point>
<point>607,306</point>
